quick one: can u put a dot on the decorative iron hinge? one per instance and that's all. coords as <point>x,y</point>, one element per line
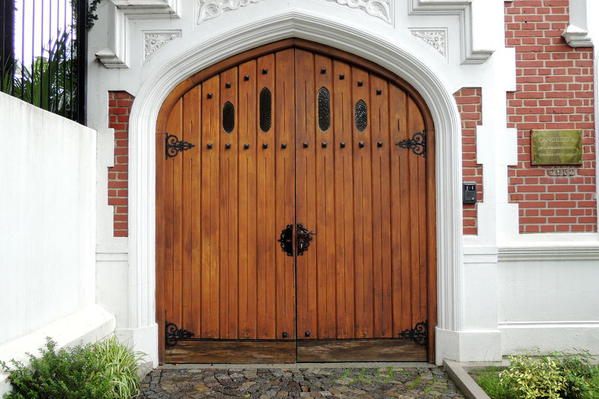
<point>417,143</point>
<point>172,334</point>
<point>173,146</point>
<point>418,334</point>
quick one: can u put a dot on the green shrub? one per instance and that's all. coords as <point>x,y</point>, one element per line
<point>120,367</point>
<point>534,378</point>
<point>105,370</point>
<point>73,373</point>
<point>489,381</point>
<point>559,375</point>
<point>578,371</point>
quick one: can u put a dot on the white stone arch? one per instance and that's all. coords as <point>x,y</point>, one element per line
<point>381,49</point>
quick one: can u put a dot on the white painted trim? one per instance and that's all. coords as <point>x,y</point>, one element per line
<point>118,257</point>
<point>577,34</point>
<point>149,9</point>
<point>463,10</point>
<point>547,324</point>
<point>116,55</point>
<point>557,252</point>
<point>382,9</point>
<point>214,47</point>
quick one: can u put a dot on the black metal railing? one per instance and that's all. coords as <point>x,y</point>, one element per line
<point>43,54</point>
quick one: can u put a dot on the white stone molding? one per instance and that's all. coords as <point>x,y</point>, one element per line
<point>213,47</point>
<point>208,9</point>
<point>116,55</point>
<point>377,8</point>
<point>462,9</point>
<point>154,40</point>
<point>148,9</point>
<point>577,34</point>
<point>557,252</point>
<point>434,37</point>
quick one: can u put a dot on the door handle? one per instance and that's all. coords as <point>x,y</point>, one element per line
<point>286,240</point>
<point>304,237</point>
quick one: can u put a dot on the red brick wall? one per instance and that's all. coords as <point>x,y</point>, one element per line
<point>119,108</point>
<point>469,102</point>
<point>554,91</point>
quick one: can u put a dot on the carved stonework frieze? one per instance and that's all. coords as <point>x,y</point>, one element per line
<point>436,38</point>
<point>153,41</point>
<point>208,9</point>
<point>377,8</point>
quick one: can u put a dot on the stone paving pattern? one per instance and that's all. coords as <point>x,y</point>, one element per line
<point>386,382</point>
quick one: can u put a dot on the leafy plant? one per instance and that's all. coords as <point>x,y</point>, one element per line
<point>120,367</point>
<point>73,373</point>
<point>91,13</point>
<point>51,82</point>
<point>558,375</point>
<point>489,381</point>
<point>105,370</point>
<point>534,378</point>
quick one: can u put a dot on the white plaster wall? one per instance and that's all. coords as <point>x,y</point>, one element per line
<point>47,217</point>
<point>549,305</point>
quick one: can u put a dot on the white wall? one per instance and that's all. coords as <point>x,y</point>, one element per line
<point>548,296</point>
<point>47,231</point>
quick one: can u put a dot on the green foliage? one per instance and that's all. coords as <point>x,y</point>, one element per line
<point>72,373</point>
<point>489,381</point>
<point>91,13</point>
<point>51,82</point>
<point>578,371</point>
<point>105,370</point>
<point>120,367</point>
<point>534,378</point>
<point>555,376</point>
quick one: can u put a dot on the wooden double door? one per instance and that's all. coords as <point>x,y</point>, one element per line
<point>295,212</point>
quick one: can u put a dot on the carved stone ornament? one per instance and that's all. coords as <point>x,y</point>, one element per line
<point>436,38</point>
<point>377,8</point>
<point>208,9</point>
<point>153,41</point>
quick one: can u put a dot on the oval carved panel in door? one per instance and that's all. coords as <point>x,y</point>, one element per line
<point>231,286</point>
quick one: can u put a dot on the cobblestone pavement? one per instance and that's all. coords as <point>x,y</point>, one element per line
<point>262,383</point>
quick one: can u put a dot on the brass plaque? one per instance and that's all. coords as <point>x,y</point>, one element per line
<point>556,147</point>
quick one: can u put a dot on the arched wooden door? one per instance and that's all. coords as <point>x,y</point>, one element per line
<point>295,212</point>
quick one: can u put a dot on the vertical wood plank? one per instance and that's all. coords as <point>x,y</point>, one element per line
<point>307,292</point>
<point>267,230</point>
<point>191,210</point>
<point>381,209</point>
<point>285,189</point>
<point>400,212</point>
<point>161,261</point>
<point>210,327</point>
<point>229,237</point>
<point>325,206</point>
<point>344,201</point>
<point>363,211</point>
<point>415,125</point>
<point>174,241</point>
<point>247,200</point>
